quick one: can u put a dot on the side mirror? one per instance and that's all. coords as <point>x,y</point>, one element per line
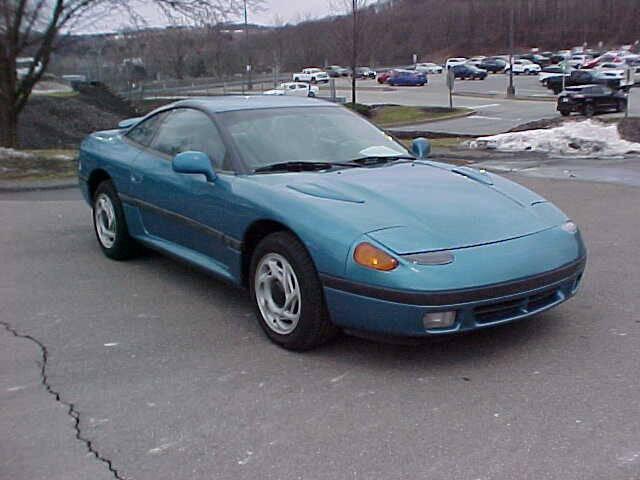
<point>194,162</point>
<point>421,147</point>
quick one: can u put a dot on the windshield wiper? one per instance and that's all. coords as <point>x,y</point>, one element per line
<point>376,159</point>
<point>303,166</point>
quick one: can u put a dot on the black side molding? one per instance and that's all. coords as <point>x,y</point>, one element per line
<point>229,241</point>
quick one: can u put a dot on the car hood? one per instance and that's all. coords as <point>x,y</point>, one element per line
<point>425,206</point>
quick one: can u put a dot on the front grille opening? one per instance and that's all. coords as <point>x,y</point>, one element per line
<point>498,311</point>
<point>495,312</point>
<point>541,300</point>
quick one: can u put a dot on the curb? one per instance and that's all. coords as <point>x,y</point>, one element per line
<point>529,98</point>
<point>31,185</point>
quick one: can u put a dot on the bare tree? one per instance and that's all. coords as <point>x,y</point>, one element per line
<point>35,27</point>
<point>351,33</point>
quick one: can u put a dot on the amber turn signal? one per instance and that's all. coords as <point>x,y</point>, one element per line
<point>371,257</point>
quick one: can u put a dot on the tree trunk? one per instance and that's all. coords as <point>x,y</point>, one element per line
<point>8,125</point>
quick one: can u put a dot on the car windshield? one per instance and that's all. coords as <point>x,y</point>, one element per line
<point>303,134</point>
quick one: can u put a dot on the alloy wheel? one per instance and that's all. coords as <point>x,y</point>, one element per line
<point>277,292</point>
<point>105,220</point>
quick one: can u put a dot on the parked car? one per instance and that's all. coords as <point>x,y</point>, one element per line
<point>553,71</point>
<point>524,66</point>
<point>300,89</point>
<point>383,77</point>
<point>407,78</point>
<point>576,61</point>
<point>428,68</point>
<point>468,71</point>
<point>452,62</point>
<point>582,77</point>
<point>24,64</point>
<point>536,58</point>
<point>365,72</point>
<point>591,99</point>
<point>615,78</point>
<point>312,75</point>
<point>605,58</point>
<point>476,61</point>
<point>561,56</point>
<point>319,234</point>
<point>335,71</point>
<point>493,65</point>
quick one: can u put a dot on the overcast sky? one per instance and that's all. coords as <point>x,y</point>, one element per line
<point>289,11</point>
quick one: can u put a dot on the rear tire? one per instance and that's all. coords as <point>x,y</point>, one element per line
<point>564,113</point>
<point>287,294</point>
<point>589,110</point>
<point>622,106</point>
<point>110,225</point>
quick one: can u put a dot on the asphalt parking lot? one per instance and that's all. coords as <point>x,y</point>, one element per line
<point>170,376</point>
<point>494,114</point>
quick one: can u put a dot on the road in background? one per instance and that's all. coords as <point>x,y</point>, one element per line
<point>173,378</point>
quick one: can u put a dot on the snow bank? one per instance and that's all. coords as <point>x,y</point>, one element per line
<point>588,138</point>
<point>10,153</point>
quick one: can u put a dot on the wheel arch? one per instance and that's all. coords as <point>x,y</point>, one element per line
<point>253,235</point>
<point>96,177</point>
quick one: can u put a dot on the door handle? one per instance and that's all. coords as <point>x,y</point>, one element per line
<point>136,177</point>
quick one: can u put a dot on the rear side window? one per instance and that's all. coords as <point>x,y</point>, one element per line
<point>143,132</point>
<point>188,129</point>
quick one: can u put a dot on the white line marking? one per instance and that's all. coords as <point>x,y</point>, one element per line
<point>484,106</point>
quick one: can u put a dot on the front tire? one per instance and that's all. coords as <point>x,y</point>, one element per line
<point>110,225</point>
<point>287,294</point>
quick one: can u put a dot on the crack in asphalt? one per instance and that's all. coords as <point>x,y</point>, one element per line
<point>71,408</point>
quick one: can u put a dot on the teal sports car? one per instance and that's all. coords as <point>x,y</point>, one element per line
<point>329,222</point>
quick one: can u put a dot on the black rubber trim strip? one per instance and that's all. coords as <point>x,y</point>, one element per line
<point>224,238</point>
<point>452,297</point>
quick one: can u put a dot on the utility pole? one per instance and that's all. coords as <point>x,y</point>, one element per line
<point>248,51</point>
<point>511,90</point>
<point>354,51</point>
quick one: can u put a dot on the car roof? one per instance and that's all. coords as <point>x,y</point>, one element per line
<point>253,102</point>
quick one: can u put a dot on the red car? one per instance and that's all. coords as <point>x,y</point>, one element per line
<point>384,76</point>
<point>606,58</point>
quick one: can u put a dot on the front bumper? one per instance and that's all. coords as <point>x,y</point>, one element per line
<point>569,106</point>
<point>368,308</point>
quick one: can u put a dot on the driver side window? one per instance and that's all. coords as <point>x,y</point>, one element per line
<point>143,132</point>
<point>188,129</point>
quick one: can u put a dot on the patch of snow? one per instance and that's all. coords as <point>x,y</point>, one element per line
<point>587,138</point>
<point>10,153</point>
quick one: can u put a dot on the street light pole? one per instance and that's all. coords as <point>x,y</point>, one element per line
<point>248,52</point>
<point>354,51</point>
<point>511,90</point>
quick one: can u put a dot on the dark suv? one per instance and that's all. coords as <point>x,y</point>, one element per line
<point>493,65</point>
<point>590,99</point>
<point>468,71</point>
